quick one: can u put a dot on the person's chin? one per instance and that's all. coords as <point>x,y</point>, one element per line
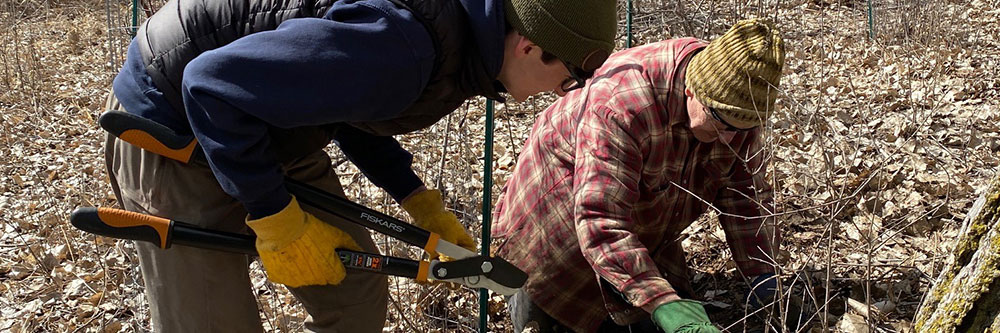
<point>517,97</point>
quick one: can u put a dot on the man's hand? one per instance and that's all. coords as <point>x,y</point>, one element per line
<point>297,249</point>
<point>428,212</point>
<point>683,316</point>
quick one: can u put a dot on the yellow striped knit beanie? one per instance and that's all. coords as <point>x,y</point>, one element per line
<point>738,74</point>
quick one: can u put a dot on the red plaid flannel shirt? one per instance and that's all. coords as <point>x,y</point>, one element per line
<point>609,178</point>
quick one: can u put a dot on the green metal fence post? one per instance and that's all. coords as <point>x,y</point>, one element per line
<point>135,17</point>
<point>871,21</point>
<point>628,25</point>
<point>488,183</point>
<point>484,297</point>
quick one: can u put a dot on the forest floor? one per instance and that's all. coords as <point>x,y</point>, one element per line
<point>877,152</point>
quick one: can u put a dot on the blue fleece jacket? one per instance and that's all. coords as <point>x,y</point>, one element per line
<point>363,61</point>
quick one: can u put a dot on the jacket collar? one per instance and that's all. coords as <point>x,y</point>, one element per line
<point>680,115</point>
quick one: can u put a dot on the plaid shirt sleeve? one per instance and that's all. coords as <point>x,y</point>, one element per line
<point>608,167</point>
<point>747,196</point>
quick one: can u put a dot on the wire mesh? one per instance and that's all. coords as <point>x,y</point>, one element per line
<point>118,18</point>
<point>120,27</point>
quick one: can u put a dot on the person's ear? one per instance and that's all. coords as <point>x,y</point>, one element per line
<point>524,46</point>
<point>688,93</point>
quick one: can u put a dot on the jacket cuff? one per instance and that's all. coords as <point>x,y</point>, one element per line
<point>648,288</point>
<point>281,227</point>
<point>657,302</point>
<point>404,186</point>
<point>272,203</point>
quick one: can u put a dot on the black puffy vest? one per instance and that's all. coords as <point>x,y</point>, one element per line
<point>183,29</point>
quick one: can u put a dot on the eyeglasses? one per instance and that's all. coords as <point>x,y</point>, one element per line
<point>576,80</point>
<point>578,76</point>
<point>729,128</point>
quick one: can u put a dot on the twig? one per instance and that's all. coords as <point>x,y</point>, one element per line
<point>444,152</point>
<point>402,314</point>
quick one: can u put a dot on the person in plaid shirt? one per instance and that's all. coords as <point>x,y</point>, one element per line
<point>612,173</point>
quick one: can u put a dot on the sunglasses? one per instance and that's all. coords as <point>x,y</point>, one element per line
<point>729,127</point>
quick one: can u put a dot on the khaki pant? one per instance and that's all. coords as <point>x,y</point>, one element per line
<point>195,290</point>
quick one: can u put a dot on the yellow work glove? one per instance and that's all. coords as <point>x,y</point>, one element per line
<point>427,211</point>
<point>297,249</point>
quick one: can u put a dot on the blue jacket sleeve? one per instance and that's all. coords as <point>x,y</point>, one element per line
<point>370,153</point>
<point>363,61</point>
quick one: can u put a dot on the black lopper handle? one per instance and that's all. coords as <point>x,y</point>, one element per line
<point>149,135</point>
<point>361,215</point>
<point>117,223</point>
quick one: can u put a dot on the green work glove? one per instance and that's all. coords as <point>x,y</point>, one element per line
<point>683,316</point>
<point>428,212</point>
<point>297,249</point>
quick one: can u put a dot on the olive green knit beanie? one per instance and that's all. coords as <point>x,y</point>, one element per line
<point>580,32</point>
<point>738,74</point>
